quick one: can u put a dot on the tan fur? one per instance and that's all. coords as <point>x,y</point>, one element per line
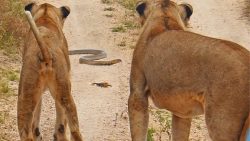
<point>187,74</point>
<point>37,75</point>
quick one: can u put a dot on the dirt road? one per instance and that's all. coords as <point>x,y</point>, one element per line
<point>103,111</point>
<point>99,109</point>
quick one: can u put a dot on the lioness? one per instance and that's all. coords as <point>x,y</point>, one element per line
<point>46,65</point>
<point>187,74</point>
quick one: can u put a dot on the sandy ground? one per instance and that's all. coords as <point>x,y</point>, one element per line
<point>99,109</point>
<point>103,111</point>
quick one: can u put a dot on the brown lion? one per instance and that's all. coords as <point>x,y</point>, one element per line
<point>187,74</point>
<point>46,65</point>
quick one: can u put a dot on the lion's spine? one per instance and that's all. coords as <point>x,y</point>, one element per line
<point>41,43</point>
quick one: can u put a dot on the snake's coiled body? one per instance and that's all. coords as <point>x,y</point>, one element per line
<point>95,55</point>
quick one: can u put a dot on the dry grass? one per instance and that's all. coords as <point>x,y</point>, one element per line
<point>126,21</point>
<point>109,9</point>
<point>12,31</point>
<point>247,10</point>
<point>161,129</point>
<point>12,27</point>
<point>128,4</point>
<point>107,1</point>
<point>119,28</point>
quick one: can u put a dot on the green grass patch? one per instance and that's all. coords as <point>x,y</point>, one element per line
<point>128,4</point>
<point>6,76</point>
<point>130,25</point>
<point>10,75</point>
<point>109,15</point>
<point>126,25</point>
<point>11,27</point>
<point>164,120</point>
<point>4,87</point>
<point>16,8</point>
<point>107,1</point>
<point>122,44</point>
<point>3,116</point>
<point>109,9</point>
<point>8,43</point>
<point>119,29</point>
<point>150,134</point>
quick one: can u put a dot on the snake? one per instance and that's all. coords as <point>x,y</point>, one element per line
<point>93,57</point>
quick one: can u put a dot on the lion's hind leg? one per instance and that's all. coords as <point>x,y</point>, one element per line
<point>36,122</point>
<point>61,119</point>
<point>61,123</point>
<point>65,109</point>
<point>29,95</point>
<point>224,120</point>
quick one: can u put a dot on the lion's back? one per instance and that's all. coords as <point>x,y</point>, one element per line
<point>183,58</point>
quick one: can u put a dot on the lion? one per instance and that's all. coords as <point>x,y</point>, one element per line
<point>187,74</point>
<point>46,65</point>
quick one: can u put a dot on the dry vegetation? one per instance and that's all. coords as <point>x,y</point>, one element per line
<point>12,31</point>
<point>247,10</point>
<point>126,25</point>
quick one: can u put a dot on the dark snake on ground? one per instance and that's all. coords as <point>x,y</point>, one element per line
<point>93,57</point>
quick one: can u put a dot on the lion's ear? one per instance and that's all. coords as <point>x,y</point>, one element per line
<point>29,7</point>
<point>186,11</point>
<point>140,8</point>
<point>65,11</point>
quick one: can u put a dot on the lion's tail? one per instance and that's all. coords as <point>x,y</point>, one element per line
<point>45,52</point>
